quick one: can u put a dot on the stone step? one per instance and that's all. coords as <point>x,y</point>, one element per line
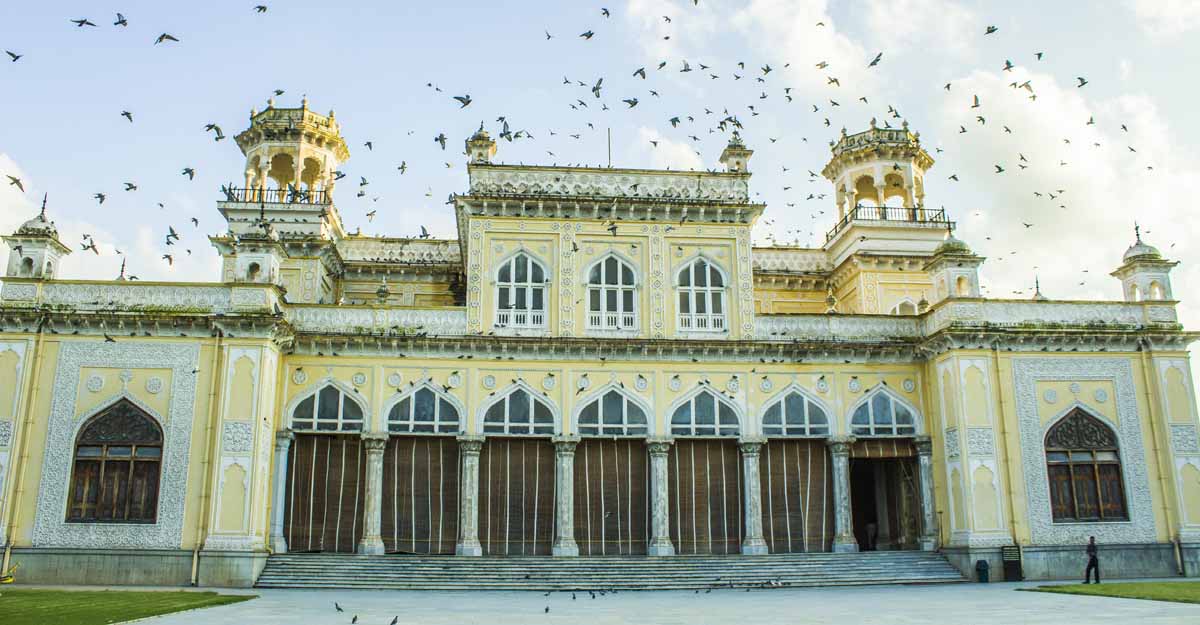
<point>541,573</point>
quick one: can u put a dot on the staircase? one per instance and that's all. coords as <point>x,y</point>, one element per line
<point>405,572</point>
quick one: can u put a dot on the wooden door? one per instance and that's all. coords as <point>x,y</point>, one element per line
<point>516,496</point>
<point>797,495</point>
<point>705,488</point>
<point>420,494</point>
<point>611,490</point>
<point>326,490</point>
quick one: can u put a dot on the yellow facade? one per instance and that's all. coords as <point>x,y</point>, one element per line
<point>863,324</point>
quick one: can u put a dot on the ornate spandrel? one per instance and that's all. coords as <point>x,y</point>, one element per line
<point>1080,430</point>
<point>123,422</point>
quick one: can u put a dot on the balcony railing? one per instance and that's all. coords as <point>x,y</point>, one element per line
<point>516,318</point>
<point>890,213</point>
<point>611,321</point>
<point>275,196</point>
<point>701,322</point>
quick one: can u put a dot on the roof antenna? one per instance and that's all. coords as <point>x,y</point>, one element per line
<point>1137,232</point>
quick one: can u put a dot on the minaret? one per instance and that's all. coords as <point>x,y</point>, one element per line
<point>283,224</point>
<point>1144,273</point>
<point>34,249</point>
<point>480,147</point>
<point>954,270</point>
<point>736,156</point>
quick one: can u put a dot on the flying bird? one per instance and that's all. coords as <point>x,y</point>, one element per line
<point>121,21</point>
<point>990,30</point>
<point>1082,81</point>
<point>13,55</point>
<point>127,115</point>
<point>83,22</point>
<point>463,100</point>
<point>875,61</point>
<point>189,172</point>
<point>587,35</point>
<point>260,8</point>
<point>99,197</point>
<point>13,180</point>
<point>441,139</point>
<point>165,37</point>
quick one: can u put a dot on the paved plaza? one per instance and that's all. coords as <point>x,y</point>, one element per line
<point>960,604</point>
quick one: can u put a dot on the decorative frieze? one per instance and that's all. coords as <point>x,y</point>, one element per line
<point>589,184</point>
<point>1183,438</point>
<point>400,321</point>
<point>237,437</point>
<point>980,442</point>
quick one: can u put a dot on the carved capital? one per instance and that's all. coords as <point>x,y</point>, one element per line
<point>375,442</point>
<point>470,444</point>
<point>565,445</point>
<point>659,446</point>
<point>840,446</point>
<point>924,445</point>
<point>750,446</point>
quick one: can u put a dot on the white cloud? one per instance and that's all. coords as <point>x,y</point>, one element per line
<point>1167,19</point>
<point>1104,188</point>
<point>803,33</point>
<point>669,154</point>
<point>688,31</point>
<point>902,25</point>
<point>1125,69</point>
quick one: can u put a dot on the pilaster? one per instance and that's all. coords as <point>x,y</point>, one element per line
<point>843,527</point>
<point>753,543</point>
<point>468,495</point>
<point>372,542</point>
<point>660,526</point>
<point>564,500</point>
<point>925,476</point>
<point>283,445</point>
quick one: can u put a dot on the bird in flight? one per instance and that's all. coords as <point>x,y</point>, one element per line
<point>13,55</point>
<point>83,22</point>
<point>261,8</point>
<point>441,139</point>
<point>121,21</point>
<point>165,37</point>
<point>129,186</point>
<point>875,61</point>
<point>1082,81</point>
<point>990,30</point>
<point>189,172</point>
<point>587,35</point>
<point>127,115</point>
<point>15,181</point>
<point>463,100</point>
<point>99,197</point>
<point>403,167</point>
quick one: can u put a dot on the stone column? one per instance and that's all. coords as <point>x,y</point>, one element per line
<point>564,497</point>
<point>843,525</point>
<point>660,523</point>
<point>925,477</point>
<point>372,542</point>
<point>753,543</point>
<point>468,497</point>
<point>283,444</point>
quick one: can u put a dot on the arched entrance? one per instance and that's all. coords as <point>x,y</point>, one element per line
<point>884,474</point>
<point>704,480</point>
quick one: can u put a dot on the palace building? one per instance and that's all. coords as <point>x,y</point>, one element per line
<point>600,363</point>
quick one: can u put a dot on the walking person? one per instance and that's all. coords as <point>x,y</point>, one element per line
<point>1093,562</point>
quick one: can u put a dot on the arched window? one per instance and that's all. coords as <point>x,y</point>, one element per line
<point>704,415</point>
<point>962,286</point>
<point>1084,468</point>
<point>117,459</point>
<point>612,414</point>
<point>252,272</point>
<point>521,293</point>
<point>905,307</point>
<point>795,415</point>
<point>701,297</point>
<point>612,298</point>
<point>423,412</point>
<point>519,413</point>
<point>1156,290</point>
<point>328,410</point>
<point>1135,293</point>
<point>882,415</point>
<point>26,267</point>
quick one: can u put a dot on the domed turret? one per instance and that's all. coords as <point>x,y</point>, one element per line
<point>1144,273</point>
<point>35,248</point>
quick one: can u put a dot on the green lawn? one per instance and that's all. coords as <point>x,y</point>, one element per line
<point>91,607</point>
<point>1180,592</point>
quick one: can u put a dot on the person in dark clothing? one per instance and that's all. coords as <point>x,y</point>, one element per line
<point>1093,562</point>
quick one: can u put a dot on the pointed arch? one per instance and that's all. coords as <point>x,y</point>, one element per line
<point>521,284</point>
<point>704,412</point>
<point>328,405</point>
<point>612,285</point>
<point>701,285</point>
<point>904,307</point>
<point>881,412</point>
<point>602,414</point>
<point>519,410</point>
<point>423,408</point>
<point>117,464</point>
<point>795,411</point>
<point>1083,466</point>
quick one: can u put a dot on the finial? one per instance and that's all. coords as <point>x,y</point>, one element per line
<point>480,126</point>
<point>43,213</point>
<point>843,131</point>
<point>270,103</point>
<point>122,275</point>
<point>904,124</point>
<point>872,124</point>
<point>1137,232</point>
<point>304,102</point>
<point>253,112</point>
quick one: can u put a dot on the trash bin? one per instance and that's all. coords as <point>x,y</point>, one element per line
<point>981,570</point>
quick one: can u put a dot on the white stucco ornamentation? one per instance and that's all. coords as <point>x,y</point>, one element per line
<point>132,296</point>
<point>766,385</point>
<point>855,386</point>
<point>394,379</point>
<point>548,382</point>
<point>154,385</point>
<point>822,385</point>
<point>454,380</point>
<point>50,528</point>
<point>952,449</point>
<point>359,379</point>
<point>641,383</point>
<point>1044,531</point>
<point>1100,396</point>
<point>980,442</point>
<point>612,184</point>
<point>14,292</point>
<point>908,385</point>
<point>95,383</point>
<point>6,431</point>
<point>237,437</point>
<point>1183,438</point>
<point>489,382</point>
<point>1050,396</point>
<point>831,327</point>
<point>299,377</point>
<point>342,319</point>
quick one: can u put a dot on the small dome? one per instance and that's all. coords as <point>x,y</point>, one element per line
<point>1140,249</point>
<point>39,225</point>
<point>952,245</point>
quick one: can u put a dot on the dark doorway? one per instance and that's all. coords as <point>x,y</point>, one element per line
<point>862,504</point>
<point>885,503</point>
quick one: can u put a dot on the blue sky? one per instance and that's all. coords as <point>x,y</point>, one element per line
<point>371,62</point>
